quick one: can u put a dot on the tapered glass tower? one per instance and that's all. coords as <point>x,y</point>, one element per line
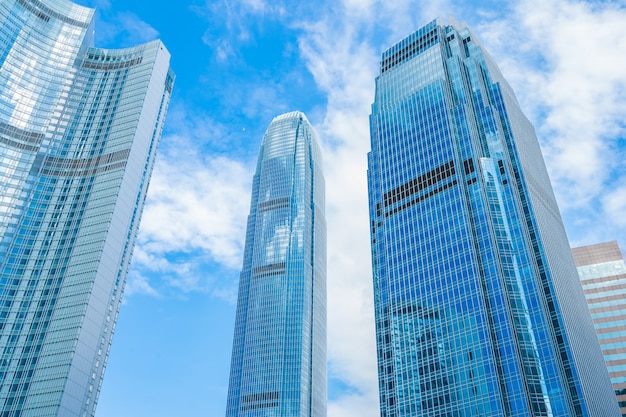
<point>79,129</point>
<point>479,311</point>
<point>279,350</point>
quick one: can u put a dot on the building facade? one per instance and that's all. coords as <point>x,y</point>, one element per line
<point>478,307</point>
<point>602,272</point>
<point>79,130</point>
<point>278,364</point>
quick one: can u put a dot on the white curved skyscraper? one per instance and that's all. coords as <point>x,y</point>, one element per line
<point>279,351</point>
<point>79,130</point>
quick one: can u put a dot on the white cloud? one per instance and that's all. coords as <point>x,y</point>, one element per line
<point>343,69</point>
<point>193,225</point>
<point>341,52</point>
<point>136,29</point>
<point>564,59</point>
<point>138,284</point>
<point>354,405</point>
<point>614,204</point>
<point>196,203</point>
<point>234,18</point>
<point>126,31</point>
<point>561,56</point>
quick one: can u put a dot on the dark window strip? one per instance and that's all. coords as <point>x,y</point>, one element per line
<point>270,205</point>
<point>273,208</point>
<point>415,48</point>
<point>469,166</point>
<point>21,134</point>
<point>264,396</point>
<point>18,145</point>
<point>270,267</point>
<point>83,172</point>
<point>111,65</point>
<point>56,163</point>
<point>423,313</point>
<point>268,274</point>
<point>44,12</point>
<point>257,406</point>
<point>421,198</point>
<point>418,184</point>
<point>34,10</point>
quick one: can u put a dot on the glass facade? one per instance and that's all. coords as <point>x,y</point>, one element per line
<point>478,307</point>
<point>602,272</point>
<point>79,130</point>
<point>278,365</point>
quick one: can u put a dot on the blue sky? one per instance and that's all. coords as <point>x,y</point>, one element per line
<point>239,64</point>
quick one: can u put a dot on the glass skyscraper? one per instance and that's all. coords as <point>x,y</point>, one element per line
<point>602,271</point>
<point>278,364</point>
<point>79,130</point>
<point>479,311</point>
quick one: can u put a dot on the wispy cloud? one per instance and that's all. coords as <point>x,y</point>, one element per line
<point>197,203</point>
<point>193,225</point>
<point>232,24</point>
<point>563,58</point>
<point>102,4</point>
<point>126,31</point>
<point>136,29</point>
<point>138,284</point>
<point>341,51</point>
<point>614,204</point>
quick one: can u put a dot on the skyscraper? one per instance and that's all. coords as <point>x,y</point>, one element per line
<point>278,365</point>
<point>79,130</point>
<point>478,307</point>
<point>602,272</point>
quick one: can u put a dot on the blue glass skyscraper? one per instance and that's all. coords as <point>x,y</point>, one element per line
<point>79,130</point>
<point>479,311</point>
<point>278,364</point>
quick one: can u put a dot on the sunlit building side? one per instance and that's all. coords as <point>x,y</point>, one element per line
<point>79,131</point>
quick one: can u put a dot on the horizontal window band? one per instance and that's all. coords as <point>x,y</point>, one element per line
<point>421,198</point>
<point>53,162</point>
<point>44,13</point>
<point>111,65</point>
<point>263,396</point>
<point>257,406</point>
<point>418,184</point>
<point>19,138</point>
<point>415,48</point>
<point>411,309</point>
<point>269,270</point>
<point>61,167</point>
<point>84,172</point>
<point>269,274</point>
<point>18,145</point>
<point>274,204</point>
